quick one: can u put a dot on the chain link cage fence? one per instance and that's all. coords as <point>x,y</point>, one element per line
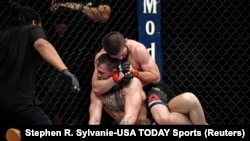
<point>205,48</point>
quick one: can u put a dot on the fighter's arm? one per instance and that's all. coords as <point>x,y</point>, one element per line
<point>148,69</point>
<point>100,87</point>
<point>101,13</point>
<point>133,101</point>
<point>95,109</point>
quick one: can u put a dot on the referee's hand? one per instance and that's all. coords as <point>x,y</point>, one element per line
<point>72,80</point>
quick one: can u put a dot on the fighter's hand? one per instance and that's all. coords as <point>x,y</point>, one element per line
<point>126,79</point>
<point>72,80</point>
<point>125,67</point>
<point>116,77</point>
<point>124,75</point>
<point>54,6</point>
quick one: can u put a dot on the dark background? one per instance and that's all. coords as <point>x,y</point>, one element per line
<point>205,48</point>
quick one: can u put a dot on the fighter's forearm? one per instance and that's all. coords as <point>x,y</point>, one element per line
<point>99,14</point>
<point>102,86</point>
<point>149,77</point>
<point>133,100</point>
<point>95,109</point>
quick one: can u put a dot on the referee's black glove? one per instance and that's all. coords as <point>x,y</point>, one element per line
<point>72,80</point>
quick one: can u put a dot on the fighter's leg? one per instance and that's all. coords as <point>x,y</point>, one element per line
<point>187,103</point>
<point>157,102</point>
<point>163,116</point>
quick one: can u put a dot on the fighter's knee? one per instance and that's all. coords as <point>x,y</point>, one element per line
<point>189,94</point>
<point>166,120</point>
<point>190,97</point>
<point>163,118</point>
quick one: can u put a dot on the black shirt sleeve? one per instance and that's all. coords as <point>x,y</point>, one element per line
<point>37,33</point>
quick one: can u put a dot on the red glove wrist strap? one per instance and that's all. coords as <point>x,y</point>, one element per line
<point>116,77</point>
<point>135,72</point>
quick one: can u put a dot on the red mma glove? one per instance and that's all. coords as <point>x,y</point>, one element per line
<point>135,72</point>
<point>116,77</point>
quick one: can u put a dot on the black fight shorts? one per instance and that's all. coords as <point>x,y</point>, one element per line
<point>155,95</point>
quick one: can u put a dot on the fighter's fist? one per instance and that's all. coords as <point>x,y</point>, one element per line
<point>54,6</point>
<point>115,76</point>
<point>135,72</point>
<point>124,81</point>
<point>124,67</point>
